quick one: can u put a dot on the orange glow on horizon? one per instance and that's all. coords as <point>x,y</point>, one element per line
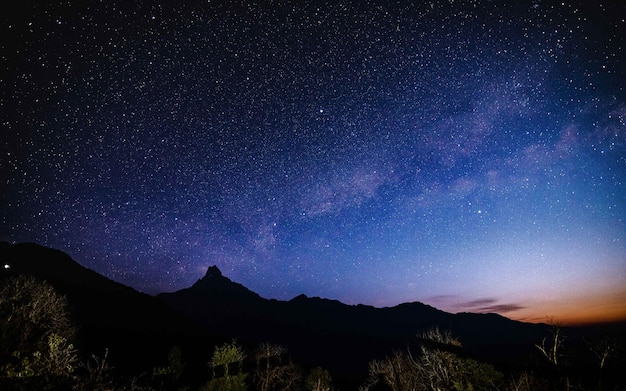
<point>577,311</point>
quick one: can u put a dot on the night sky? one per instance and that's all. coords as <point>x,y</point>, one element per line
<point>466,154</point>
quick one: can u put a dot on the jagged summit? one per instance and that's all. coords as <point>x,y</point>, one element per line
<point>215,284</point>
<point>213,272</point>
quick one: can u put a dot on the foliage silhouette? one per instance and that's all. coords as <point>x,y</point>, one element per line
<point>439,365</point>
<point>38,344</point>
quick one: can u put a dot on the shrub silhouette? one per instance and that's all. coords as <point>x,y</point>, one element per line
<point>439,365</point>
<point>274,370</point>
<point>227,368</point>
<point>318,380</point>
<point>36,332</point>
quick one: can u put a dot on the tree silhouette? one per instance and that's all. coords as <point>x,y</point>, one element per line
<point>36,333</point>
<point>229,359</point>
<point>318,380</point>
<point>439,365</point>
<point>274,370</point>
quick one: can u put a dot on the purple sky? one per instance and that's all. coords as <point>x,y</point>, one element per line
<point>469,155</point>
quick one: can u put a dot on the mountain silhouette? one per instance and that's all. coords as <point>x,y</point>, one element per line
<point>316,331</point>
<point>136,328</point>
<point>215,285</point>
<point>341,337</point>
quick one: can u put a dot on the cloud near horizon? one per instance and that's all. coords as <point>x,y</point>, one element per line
<point>481,306</point>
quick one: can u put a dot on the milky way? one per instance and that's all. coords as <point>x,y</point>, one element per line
<point>467,154</point>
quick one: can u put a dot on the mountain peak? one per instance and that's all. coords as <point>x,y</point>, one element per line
<point>215,284</point>
<point>213,272</point>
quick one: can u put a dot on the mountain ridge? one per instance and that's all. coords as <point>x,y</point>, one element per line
<point>109,315</point>
<point>317,331</point>
<point>313,326</point>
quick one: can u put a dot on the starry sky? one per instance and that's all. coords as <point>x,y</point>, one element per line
<point>467,154</point>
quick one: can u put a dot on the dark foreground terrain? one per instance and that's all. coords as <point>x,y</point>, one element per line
<point>64,326</point>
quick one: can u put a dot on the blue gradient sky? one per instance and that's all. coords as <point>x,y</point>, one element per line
<point>468,155</point>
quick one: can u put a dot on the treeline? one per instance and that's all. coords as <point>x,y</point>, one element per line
<point>38,352</point>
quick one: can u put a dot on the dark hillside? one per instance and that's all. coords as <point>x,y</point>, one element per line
<point>340,337</point>
<point>139,329</point>
<point>135,327</point>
